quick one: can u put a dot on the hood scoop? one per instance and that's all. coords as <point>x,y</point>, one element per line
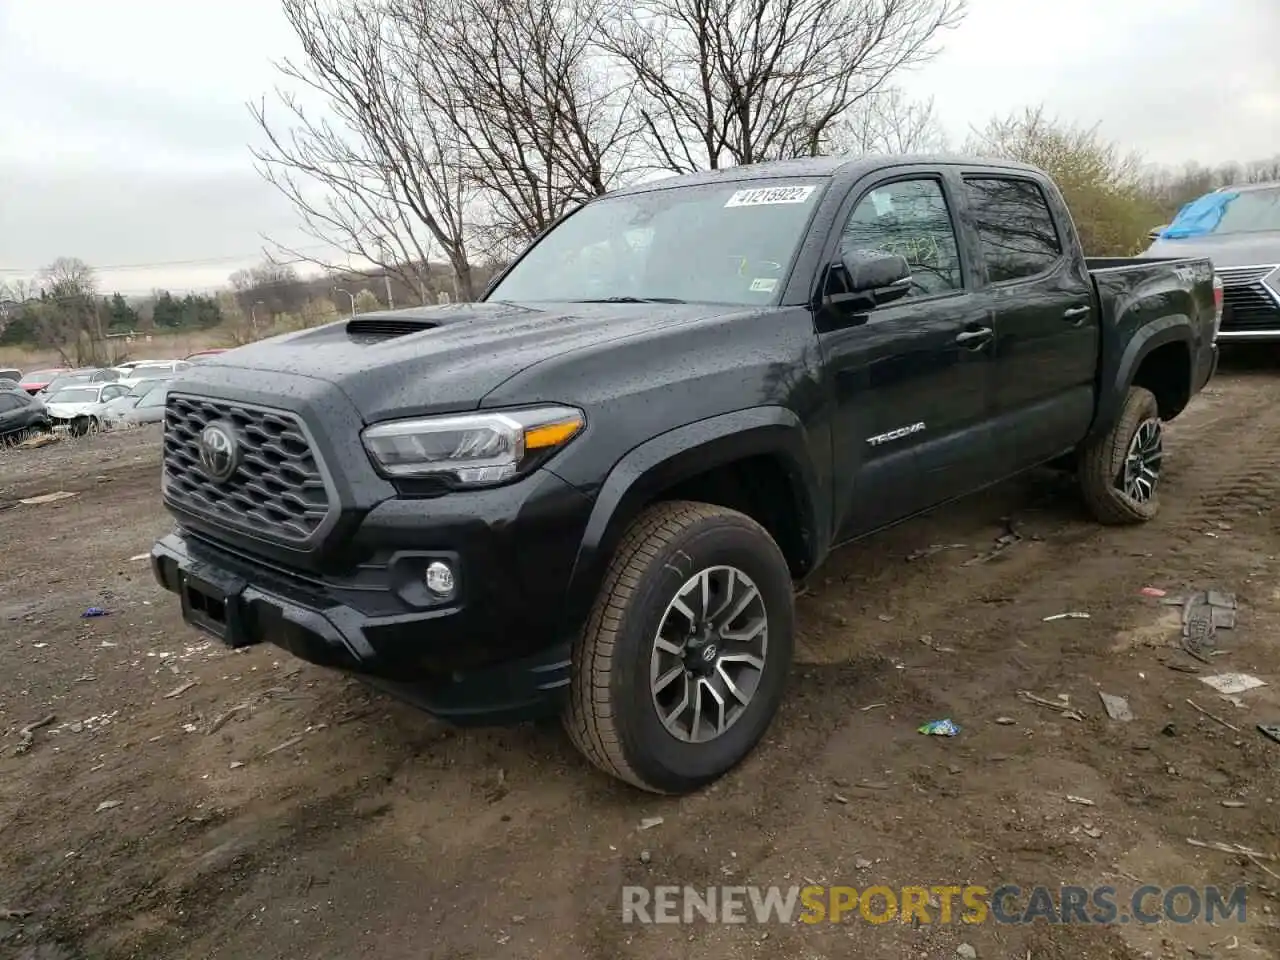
<point>373,329</point>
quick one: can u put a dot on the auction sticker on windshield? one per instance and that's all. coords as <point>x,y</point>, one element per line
<point>769,195</point>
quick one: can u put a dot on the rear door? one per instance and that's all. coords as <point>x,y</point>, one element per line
<point>11,413</point>
<point>910,380</point>
<point>1042,300</point>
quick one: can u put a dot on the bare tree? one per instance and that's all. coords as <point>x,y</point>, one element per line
<point>888,122</point>
<point>522,84</point>
<point>1103,185</point>
<point>276,286</point>
<point>724,82</point>
<point>66,319</point>
<point>383,180</point>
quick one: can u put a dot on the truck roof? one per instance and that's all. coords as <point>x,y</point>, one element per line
<point>845,167</point>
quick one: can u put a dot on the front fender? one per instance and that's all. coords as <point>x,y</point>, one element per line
<point>1174,328</point>
<point>680,454</point>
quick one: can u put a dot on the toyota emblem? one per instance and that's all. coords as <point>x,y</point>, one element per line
<point>219,452</point>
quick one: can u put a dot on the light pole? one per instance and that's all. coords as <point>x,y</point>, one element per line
<point>349,294</point>
<point>253,313</point>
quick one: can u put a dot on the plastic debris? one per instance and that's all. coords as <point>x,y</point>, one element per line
<point>1270,730</point>
<point>648,823</point>
<point>1229,683</point>
<point>1083,801</point>
<point>47,498</point>
<point>179,691</point>
<point>109,805</point>
<point>934,548</point>
<point>1061,706</point>
<point>140,556</point>
<point>1073,615</point>
<point>27,735</point>
<point>95,612</point>
<point>1117,707</point>
<point>1153,592</point>
<point>939,728</point>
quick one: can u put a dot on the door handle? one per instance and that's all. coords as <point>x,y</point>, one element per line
<point>1075,313</point>
<point>974,338</point>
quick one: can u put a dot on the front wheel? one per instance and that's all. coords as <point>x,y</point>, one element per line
<point>684,658</point>
<point>1120,471</point>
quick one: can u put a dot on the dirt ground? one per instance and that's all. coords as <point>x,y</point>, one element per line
<point>320,820</point>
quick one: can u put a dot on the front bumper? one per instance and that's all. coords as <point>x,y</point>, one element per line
<point>494,652</point>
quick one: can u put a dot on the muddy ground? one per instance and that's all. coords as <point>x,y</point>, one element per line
<point>320,820</point>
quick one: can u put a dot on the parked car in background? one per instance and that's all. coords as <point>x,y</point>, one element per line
<point>79,407</point>
<point>20,415</point>
<point>113,411</point>
<point>148,409</point>
<point>11,373</point>
<point>1238,228</point>
<point>37,380</point>
<point>73,378</point>
<point>153,370</point>
<point>9,383</point>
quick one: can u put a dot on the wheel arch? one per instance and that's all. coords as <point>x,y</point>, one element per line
<point>755,460</point>
<point>1159,357</point>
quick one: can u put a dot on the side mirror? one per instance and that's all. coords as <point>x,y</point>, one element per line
<point>1154,233</point>
<point>873,278</point>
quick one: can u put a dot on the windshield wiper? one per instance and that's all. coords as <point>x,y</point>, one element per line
<point>632,300</point>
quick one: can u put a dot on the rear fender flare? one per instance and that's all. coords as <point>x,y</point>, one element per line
<point>1175,328</point>
<point>678,455</point>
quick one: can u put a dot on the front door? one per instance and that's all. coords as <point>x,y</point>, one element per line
<point>1046,334</point>
<point>911,380</point>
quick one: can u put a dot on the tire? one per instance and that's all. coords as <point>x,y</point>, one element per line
<point>1103,464</point>
<point>613,713</point>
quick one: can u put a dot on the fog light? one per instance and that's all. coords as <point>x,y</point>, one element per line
<point>439,578</point>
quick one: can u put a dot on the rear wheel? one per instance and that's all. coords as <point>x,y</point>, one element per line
<point>683,662</point>
<point>1120,472</point>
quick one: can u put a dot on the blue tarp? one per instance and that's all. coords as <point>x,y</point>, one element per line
<point>1199,217</point>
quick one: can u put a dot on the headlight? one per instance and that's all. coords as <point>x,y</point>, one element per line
<point>474,449</point>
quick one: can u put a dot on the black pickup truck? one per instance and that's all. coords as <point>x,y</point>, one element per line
<point>593,491</point>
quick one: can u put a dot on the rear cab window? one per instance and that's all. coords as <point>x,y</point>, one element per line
<point>1017,236</point>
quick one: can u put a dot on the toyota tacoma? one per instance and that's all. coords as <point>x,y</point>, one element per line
<point>593,492</point>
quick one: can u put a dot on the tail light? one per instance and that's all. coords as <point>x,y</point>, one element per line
<point>1219,299</point>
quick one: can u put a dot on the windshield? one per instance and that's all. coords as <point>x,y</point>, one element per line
<point>726,243</point>
<point>143,386</point>
<point>67,380</point>
<point>76,395</point>
<point>1226,212</point>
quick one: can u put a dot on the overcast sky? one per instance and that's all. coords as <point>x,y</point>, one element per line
<point>125,132</point>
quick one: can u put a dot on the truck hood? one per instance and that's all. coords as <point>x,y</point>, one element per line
<point>446,358</point>
<point>1227,250</point>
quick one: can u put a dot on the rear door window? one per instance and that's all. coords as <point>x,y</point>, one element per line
<point>1016,232</point>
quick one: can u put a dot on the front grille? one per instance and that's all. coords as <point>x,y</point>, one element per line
<point>277,491</point>
<point>1248,303</point>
